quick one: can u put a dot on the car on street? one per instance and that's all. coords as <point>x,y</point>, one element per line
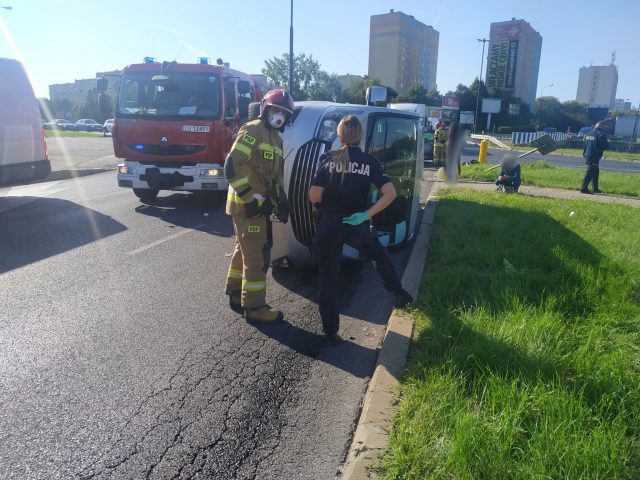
<point>584,132</point>
<point>59,124</point>
<point>107,127</point>
<point>87,125</point>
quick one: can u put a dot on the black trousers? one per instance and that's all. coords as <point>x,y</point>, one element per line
<point>592,175</point>
<point>331,235</point>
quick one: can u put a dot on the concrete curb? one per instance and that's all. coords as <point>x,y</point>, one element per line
<point>381,399</point>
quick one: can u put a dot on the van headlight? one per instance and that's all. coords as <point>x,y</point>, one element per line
<point>209,172</point>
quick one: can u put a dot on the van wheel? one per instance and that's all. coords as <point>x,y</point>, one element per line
<point>146,194</point>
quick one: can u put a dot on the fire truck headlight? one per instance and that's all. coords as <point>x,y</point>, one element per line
<point>213,172</point>
<point>126,170</point>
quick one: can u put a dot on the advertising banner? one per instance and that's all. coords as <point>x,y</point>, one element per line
<point>497,64</point>
<point>512,60</point>
<point>451,102</point>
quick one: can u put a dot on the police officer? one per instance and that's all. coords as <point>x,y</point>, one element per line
<point>340,190</point>
<point>254,168</point>
<point>594,147</point>
<point>439,143</point>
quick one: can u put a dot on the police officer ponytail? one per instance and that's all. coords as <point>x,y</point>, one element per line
<point>349,133</point>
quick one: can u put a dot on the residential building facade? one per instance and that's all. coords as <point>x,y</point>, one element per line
<point>403,52</point>
<point>597,86</point>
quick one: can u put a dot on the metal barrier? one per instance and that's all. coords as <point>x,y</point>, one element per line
<point>491,139</point>
<point>624,145</point>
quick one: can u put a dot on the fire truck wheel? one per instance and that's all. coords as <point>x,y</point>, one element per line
<point>146,194</point>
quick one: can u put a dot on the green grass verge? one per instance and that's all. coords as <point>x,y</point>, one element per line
<point>543,174</point>
<point>577,152</point>
<point>525,361</point>
<point>66,133</point>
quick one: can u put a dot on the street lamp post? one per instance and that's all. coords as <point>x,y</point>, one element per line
<point>541,92</point>
<point>291,52</point>
<point>475,125</point>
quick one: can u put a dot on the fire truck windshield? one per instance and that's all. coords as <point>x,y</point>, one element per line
<point>177,95</point>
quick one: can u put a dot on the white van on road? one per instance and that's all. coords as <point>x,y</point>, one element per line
<point>23,149</point>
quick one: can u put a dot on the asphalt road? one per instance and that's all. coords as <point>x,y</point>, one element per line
<point>494,156</point>
<point>121,359</point>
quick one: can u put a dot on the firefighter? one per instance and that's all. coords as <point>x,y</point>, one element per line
<point>340,189</point>
<point>254,169</point>
<point>439,143</point>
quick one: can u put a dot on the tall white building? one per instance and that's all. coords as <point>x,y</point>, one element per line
<point>597,86</point>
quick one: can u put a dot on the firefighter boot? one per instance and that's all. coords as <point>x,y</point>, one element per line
<point>263,314</point>
<point>234,302</point>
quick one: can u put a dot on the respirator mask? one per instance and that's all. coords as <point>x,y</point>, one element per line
<point>277,119</point>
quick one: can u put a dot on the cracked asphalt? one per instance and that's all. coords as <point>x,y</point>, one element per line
<point>120,358</point>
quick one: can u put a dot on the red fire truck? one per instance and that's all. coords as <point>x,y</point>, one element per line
<point>175,123</point>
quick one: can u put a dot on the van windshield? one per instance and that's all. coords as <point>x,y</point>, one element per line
<point>179,94</point>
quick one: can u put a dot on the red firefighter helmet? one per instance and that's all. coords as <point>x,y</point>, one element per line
<point>439,124</point>
<point>278,98</point>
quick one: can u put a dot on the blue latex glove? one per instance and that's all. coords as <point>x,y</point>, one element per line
<point>356,218</point>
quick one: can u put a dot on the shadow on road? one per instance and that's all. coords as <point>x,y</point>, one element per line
<point>34,228</point>
<point>348,356</point>
<point>203,212</point>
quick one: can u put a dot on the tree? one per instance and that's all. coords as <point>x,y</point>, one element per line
<point>419,94</point>
<point>356,93</point>
<point>309,81</point>
<point>89,108</point>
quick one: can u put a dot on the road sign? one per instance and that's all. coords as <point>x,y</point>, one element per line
<point>544,144</point>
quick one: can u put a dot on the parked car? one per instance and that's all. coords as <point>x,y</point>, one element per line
<point>88,125</point>
<point>59,124</point>
<point>107,127</point>
<point>584,132</point>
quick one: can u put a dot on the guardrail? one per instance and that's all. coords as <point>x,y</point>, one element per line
<point>491,139</point>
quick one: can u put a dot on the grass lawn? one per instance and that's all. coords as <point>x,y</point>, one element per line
<point>67,133</point>
<point>543,174</point>
<point>577,152</point>
<point>525,361</point>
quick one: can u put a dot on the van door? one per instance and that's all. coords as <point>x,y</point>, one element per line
<point>393,141</point>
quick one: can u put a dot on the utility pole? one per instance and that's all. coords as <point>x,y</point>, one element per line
<point>475,125</point>
<point>291,52</point>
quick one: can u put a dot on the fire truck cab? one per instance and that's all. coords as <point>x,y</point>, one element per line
<point>174,124</point>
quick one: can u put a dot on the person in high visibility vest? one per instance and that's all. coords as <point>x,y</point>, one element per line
<point>439,144</point>
<point>254,169</point>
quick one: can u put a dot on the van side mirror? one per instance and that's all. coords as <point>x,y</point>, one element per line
<point>244,87</point>
<point>376,94</point>
<point>243,106</point>
<point>102,84</point>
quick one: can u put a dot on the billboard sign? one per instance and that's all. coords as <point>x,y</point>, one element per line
<point>505,31</point>
<point>491,105</point>
<point>512,60</point>
<point>450,101</point>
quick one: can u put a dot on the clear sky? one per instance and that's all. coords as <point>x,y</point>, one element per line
<point>63,40</point>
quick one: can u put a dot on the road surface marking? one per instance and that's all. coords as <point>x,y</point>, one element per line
<point>163,240</point>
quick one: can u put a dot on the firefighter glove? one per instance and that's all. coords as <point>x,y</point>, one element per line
<point>356,218</point>
<point>266,208</point>
<point>283,210</point>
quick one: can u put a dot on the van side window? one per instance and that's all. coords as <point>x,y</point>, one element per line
<point>229,99</point>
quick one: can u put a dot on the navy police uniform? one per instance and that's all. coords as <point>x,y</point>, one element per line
<point>346,192</point>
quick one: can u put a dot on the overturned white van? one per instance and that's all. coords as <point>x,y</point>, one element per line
<point>394,137</point>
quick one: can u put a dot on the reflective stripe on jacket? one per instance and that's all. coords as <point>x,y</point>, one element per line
<point>254,164</point>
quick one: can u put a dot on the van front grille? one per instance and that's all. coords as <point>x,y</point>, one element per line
<point>304,167</point>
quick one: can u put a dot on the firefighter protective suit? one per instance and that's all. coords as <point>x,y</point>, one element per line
<point>252,168</point>
<point>439,143</point>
